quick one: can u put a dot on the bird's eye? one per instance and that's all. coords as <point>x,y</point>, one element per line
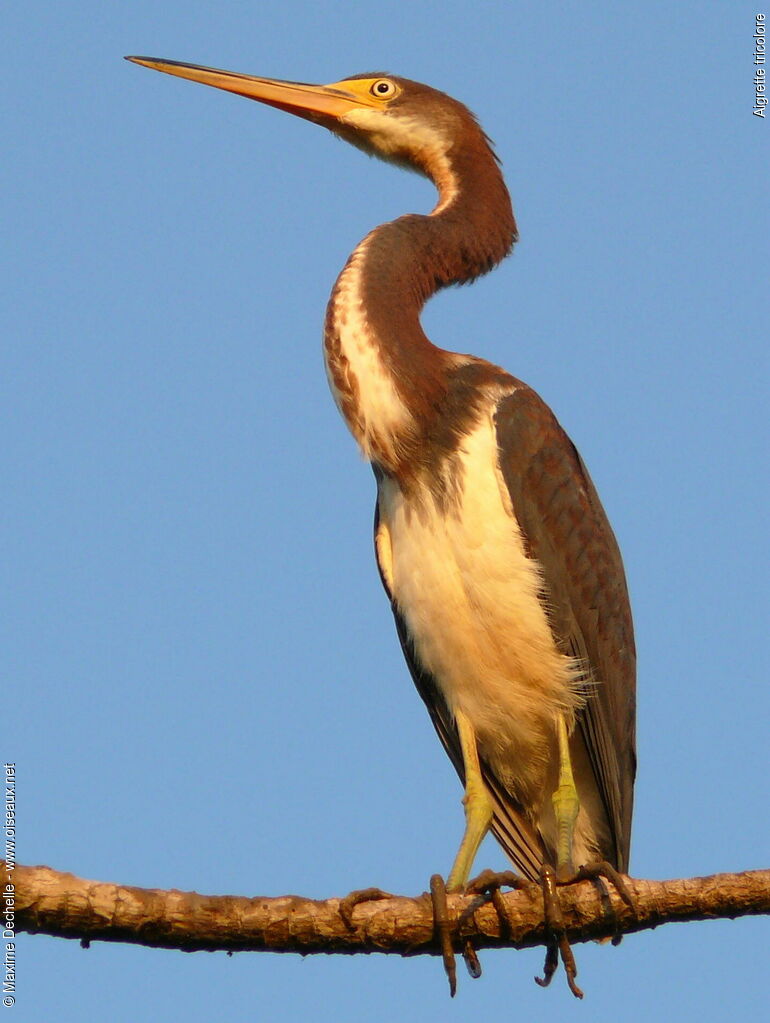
<point>383,89</point>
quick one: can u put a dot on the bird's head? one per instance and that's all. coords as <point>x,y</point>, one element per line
<point>393,118</point>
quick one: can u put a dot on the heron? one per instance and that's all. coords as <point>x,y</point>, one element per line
<point>502,571</point>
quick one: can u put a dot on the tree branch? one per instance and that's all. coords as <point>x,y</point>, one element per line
<point>62,905</point>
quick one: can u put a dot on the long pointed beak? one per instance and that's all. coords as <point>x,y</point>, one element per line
<point>324,104</point>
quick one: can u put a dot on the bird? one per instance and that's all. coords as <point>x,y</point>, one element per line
<point>503,574</point>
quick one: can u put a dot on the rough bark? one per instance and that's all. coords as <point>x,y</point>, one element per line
<point>62,905</point>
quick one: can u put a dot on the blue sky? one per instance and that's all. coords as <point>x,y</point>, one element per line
<point>203,687</point>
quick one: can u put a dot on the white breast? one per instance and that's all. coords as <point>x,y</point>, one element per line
<point>470,597</point>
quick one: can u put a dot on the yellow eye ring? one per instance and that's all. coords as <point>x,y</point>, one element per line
<point>383,88</point>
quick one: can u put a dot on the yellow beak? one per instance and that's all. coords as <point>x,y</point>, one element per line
<point>323,104</point>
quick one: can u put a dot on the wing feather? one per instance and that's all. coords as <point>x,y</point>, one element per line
<point>567,532</point>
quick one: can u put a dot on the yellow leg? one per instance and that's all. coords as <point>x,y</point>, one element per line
<point>478,807</point>
<point>565,804</point>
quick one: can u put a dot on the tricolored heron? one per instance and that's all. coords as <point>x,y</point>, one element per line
<point>503,573</point>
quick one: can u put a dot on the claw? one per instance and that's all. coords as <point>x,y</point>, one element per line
<point>471,960</point>
<point>443,928</point>
<point>489,882</point>
<point>594,871</point>
<point>550,966</point>
<point>349,903</point>
<point>558,944</point>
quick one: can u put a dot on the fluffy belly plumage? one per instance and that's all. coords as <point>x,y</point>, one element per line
<point>472,601</point>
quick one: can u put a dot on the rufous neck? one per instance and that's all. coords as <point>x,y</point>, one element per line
<point>387,377</point>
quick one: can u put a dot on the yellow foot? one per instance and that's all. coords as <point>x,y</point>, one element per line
<point>478,807</point>
<point>566,804</point>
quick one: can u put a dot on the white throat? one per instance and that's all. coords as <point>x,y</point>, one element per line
<point>361,384</point>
